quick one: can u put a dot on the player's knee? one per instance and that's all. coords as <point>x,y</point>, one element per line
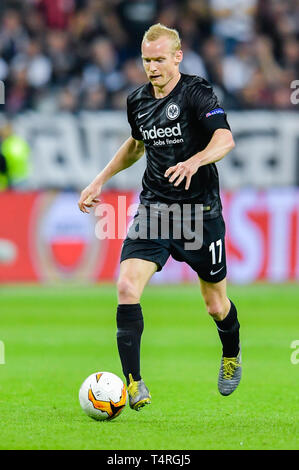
<point>127,291</point>
<point>216,309</point>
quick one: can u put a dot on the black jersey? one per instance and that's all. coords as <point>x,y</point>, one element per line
<point>173,129</point>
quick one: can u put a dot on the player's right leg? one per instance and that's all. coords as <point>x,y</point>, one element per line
<point>133,277</point>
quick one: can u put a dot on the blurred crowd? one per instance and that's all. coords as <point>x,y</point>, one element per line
<point>71,55</point>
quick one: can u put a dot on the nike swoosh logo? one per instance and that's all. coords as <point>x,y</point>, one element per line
<point>215,272</point>
<point>128,343</point>
<point>141,115</point>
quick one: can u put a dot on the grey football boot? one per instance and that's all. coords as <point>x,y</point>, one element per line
<point>229,374</point>
<point>139,395</point>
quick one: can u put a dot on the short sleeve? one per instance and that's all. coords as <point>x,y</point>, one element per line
<point>210,114</point>
<point>135,132</point>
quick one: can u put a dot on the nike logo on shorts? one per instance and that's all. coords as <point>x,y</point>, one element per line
<point>215,272</point>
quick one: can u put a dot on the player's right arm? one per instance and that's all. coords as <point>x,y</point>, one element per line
<point>130,151</point>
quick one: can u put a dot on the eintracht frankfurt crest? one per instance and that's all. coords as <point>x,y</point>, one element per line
<point>172,111</point>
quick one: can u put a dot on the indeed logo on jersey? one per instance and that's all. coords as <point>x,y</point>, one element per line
<point>163,133</point>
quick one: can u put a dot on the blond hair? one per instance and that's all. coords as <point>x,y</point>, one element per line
<point>158,30</point>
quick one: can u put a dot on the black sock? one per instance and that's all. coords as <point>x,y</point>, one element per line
<point>129,321</point>
<point>228,330</point>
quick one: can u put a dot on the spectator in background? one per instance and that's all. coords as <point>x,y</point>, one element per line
<point>134,74</point>
<point>256,94</point>
<point>285,18</point>
<point>281,98</point>
<point>192,62</point>
<point>278,20</point>
<point>212,54</point>
<point>134,77</point>
<point>269,66</point>
<point>233,21</point>
<point>103,66</point>
<point>68,101</point>
<point>95,98</point>
<point>83,28</point>
<point>135,17</point>
<point>49,48</point>
<point>13,36</point>
<point>62,56</point>
<point>290,55</point>
<point>19,94</point>
<point>14,158</point>
<point>195,22</point>
<point>168,15</point>
<point>34,22</point>
<point>3,171</point>
<point>37,65</point>
<point>238,68</point>
<point>119,100</point>
<point>57,13</point>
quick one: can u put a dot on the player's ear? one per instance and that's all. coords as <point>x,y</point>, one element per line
<point>178,56</point>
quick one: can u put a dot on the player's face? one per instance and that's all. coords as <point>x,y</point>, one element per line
<point>160,62</point>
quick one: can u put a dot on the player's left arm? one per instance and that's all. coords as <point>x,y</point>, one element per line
<point>220,144</point>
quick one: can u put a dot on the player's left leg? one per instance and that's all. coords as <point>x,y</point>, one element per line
<point>224,313</point>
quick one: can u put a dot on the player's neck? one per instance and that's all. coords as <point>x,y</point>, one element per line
<point>161,92</point>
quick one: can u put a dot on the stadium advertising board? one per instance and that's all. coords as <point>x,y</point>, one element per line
<point>46,238</point>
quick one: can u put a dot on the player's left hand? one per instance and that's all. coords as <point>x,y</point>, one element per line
<point>183,170</point>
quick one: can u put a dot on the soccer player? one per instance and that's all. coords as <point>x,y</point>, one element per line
<point>177,120</point>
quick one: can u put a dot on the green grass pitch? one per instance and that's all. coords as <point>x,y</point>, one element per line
<point>54,337</point>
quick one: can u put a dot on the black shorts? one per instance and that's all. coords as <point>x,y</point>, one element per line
<point>209,261</point>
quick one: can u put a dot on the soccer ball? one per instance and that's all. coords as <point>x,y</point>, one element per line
<point>103,396</point>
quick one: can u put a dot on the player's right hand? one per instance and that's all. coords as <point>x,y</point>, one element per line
<point>89,197</point>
